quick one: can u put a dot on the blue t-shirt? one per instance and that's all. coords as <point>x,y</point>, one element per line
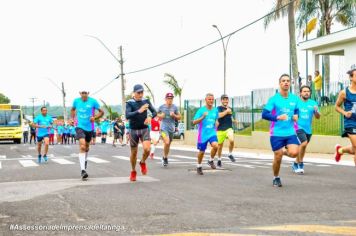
<point>60,129</point>
<point>206,128</point>
<point>72,130</point>
<point>65,129</point>
<point>85,110</point>
<point>104,126</point>
<point>43,120</point>
<point>306,113</point>
<point>279,105</point>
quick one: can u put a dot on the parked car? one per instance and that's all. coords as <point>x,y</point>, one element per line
<point>179,132</point>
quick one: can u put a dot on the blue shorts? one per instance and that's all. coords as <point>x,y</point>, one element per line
<point>280,142</point>
<point>202,146</point>
<point>39,139</point>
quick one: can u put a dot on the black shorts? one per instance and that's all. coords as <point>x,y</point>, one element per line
<point>40,139</point>
<point>348,131</point>
<point>303,136</point>
<point>137,135</point>
<point>80,133</point>
<point>118,135</point>
<point>93,135</point>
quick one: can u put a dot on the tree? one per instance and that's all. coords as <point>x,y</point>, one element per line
<point>150,95</point>
<point>172,83</point>
<point>4,99</point>
<point>326,12</point>
<point>281,10</point>
<point>108,109</point>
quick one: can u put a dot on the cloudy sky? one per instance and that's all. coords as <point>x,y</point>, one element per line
<point>44,41</point>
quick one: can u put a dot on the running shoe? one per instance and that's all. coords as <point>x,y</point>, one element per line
<point>165,161</point>
<point>84,174</point>
<point>39,158</point>
<point>45,158</point>
<point>219,164</point>
<point>211,164</point>
<point>133,176</point>
<point>295,167</point>
<point>200,170</point>
<point>277,182</point>
<point>232,158</point>
<point>143,168</point>
<point>301,168</point>
<point>337,154</point>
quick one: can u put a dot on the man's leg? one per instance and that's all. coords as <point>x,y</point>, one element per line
<point>39,147</point>
<point>166,146</point>
<point>277,162</point>
<point>46,144</point>
<point>353,148</point>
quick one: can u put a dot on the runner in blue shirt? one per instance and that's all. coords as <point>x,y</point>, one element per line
<point>104,129</point>
<point>84,111</point>
<point>43,123</point>
<point>60,133</point>
<point>206,119</point>
<point>308,109</point>
<point>282,111</point>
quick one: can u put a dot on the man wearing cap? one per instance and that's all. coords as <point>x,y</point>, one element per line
<point>225,130</point>
<point>347,99</point>
<point>170,114</point>
<point>136,113</point>
<point>83,111</point>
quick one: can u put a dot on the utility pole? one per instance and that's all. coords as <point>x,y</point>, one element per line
<point>123,102</point>
<point>64,103</point>
<point>33,108</point>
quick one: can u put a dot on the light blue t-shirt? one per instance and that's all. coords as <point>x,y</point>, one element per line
<point>43,120</point>
<point>280,105</point>
<point>206,128</point>
<point>306,113</point>
<point>60,129</point>
<point>104,126</point>
<point>85,110</point>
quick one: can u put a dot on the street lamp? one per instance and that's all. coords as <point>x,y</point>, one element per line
<point>225,49</point>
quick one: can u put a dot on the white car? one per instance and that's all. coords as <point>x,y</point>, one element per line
<point>179,133</point>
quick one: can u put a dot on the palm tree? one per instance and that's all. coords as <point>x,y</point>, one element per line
<point>281,9</point>
<point>327,12</point>
<point>108,109</point>
<point>172,83</point>
<point>150,95</point>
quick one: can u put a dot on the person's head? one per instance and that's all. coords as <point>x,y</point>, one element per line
<point>224,100</point>
<point>310,78</point>
<point>352,73</point>
<point>305,92</point>
<point>209,99</point>
<point>44,110</point>
<point>317,73</point>
<point>284,82</point>
<point>138,92</point>
<point>169,98</point>
<point>84,95</point>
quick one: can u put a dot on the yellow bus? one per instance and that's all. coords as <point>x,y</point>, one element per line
<point>10,123</point>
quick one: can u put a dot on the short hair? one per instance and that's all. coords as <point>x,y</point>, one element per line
<point>283,76</point>
<point>304,86</point>
<point>43,108</point>
<point>209,94</point>
<point>317,72</point>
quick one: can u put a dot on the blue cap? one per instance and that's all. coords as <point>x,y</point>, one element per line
<point>138,88</point>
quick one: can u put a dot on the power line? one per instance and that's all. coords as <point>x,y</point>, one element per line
<point>106,85</point>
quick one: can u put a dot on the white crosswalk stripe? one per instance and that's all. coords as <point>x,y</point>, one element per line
<point>2,157</point>
<point>0,165</point>
<point>28,163</point>
<point>122,158</point>
<point>97,160</point>
<point>185,157</point>
<point>62,161</point>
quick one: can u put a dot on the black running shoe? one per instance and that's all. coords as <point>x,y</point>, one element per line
<point>86,164</point>
<point>211,164</point>
<point>84,174</point>
<point>200,170</point>
<point>219,164</point>
<point>165,161</point>
<point>232,158</point>
<point>277,182</point>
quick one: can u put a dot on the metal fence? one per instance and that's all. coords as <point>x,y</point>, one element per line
<point>248,111</point>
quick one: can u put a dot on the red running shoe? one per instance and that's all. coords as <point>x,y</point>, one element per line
<point>133,176</point>
<point>337,154</point>
<point>143,168</point>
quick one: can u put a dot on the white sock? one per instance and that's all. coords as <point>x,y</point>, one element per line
<point>219,158</point>
<point>82,161</point>
<point>153,147</point>
<point>211,159</point>
<point>230,153</point>
<point>86,156</point>
<point>199,165</point>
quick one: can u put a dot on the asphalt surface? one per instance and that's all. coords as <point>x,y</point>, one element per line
<point>238,199</point>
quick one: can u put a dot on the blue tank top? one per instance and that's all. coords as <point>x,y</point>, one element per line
<point>350,105</point>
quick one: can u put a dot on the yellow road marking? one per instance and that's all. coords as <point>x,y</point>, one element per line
<point>205,234</point>
<point>340,230</point>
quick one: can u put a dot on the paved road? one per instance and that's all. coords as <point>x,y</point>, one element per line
<point>238,199</point>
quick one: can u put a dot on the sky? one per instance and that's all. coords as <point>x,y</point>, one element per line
<point>45,42</point>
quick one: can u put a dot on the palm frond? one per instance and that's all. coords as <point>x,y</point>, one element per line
<point>150,92</point>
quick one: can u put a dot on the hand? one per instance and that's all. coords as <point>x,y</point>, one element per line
<point>92,119</point>
<point>147,121</point>
<point>348,114</point>
<point>295,118</point>
<point>143,108</point>
<point>282,117</point>
<point>228,111</point>
<point>172,114</point>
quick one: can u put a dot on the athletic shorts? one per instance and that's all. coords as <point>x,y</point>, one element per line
<point>137,135</point>
<point>104,133</point>
<point>280,142</point>
<point>303,136</point>
<point>225,134</point>
<point>154,135</point>
<point>165,133</point>
<point>348,131</point>
<point>117,135</point>
<point>80,133</point>
<point>39,139</point>
<point>93,135</point>
<point>202,146</point>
